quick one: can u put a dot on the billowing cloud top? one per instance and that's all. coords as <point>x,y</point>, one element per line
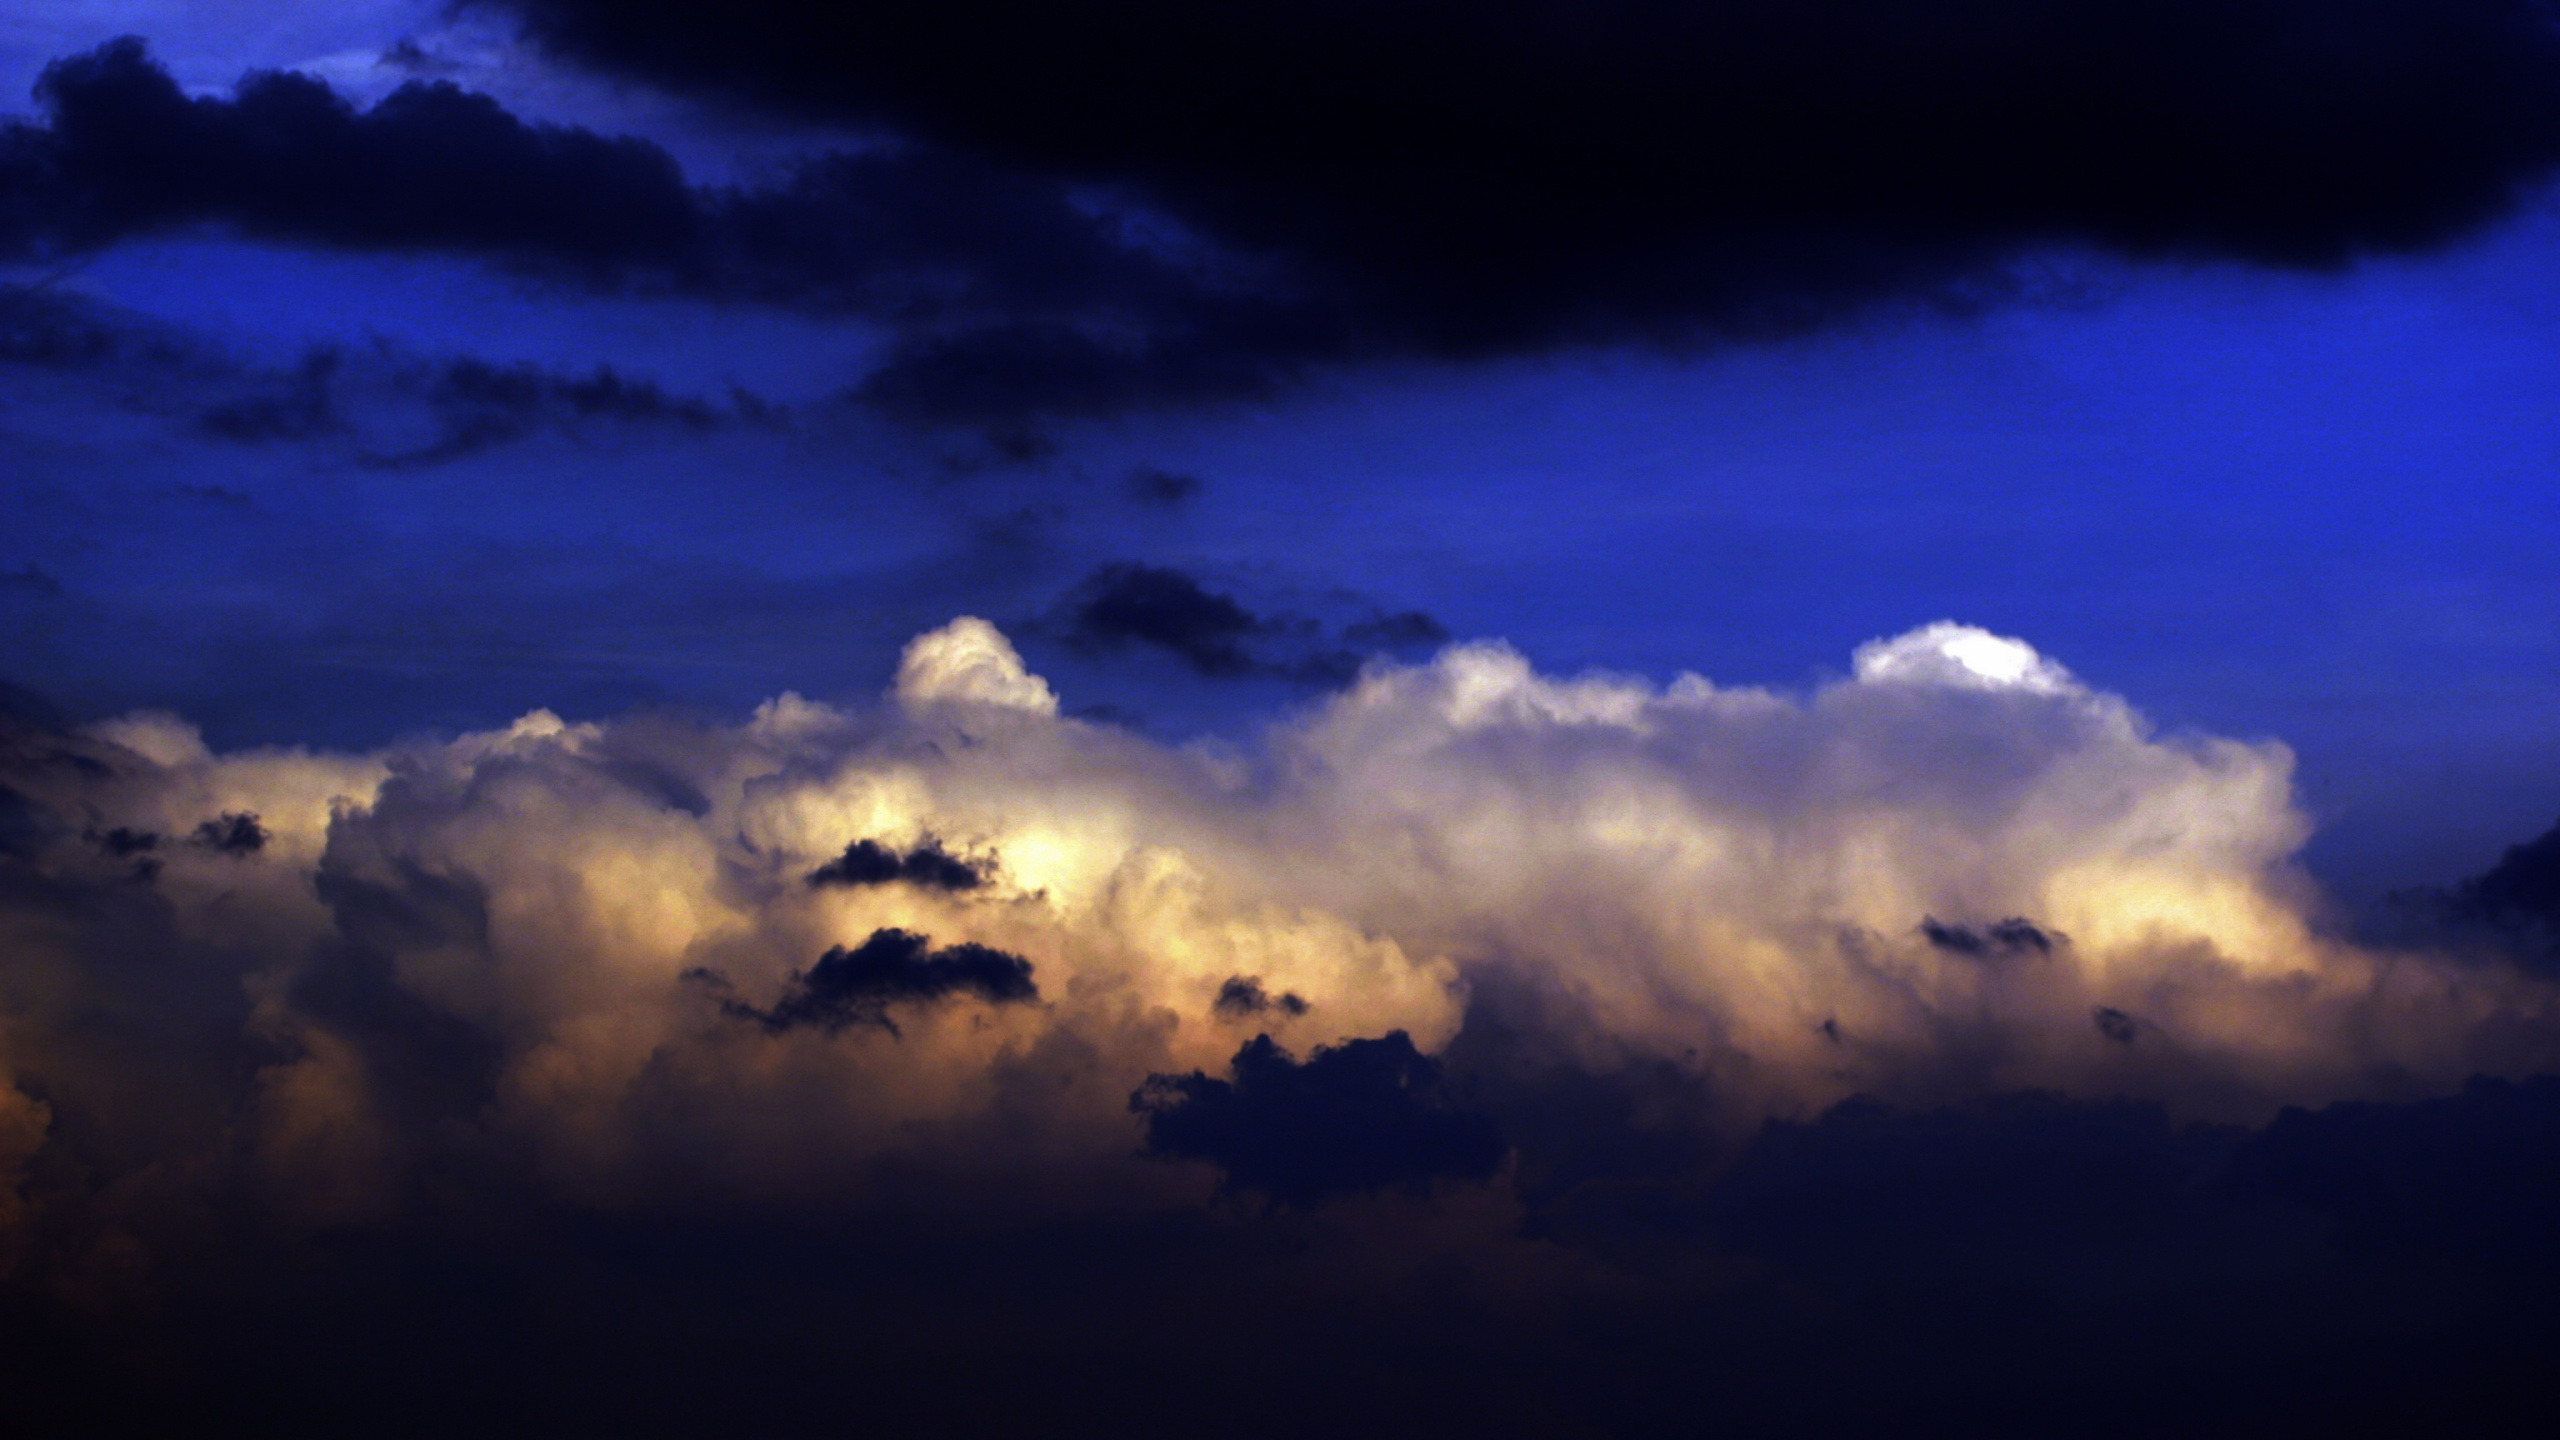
<point>1462,930</point>
<point>1958,867</point>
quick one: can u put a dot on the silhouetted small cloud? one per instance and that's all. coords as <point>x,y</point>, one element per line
<point>1243,995</point>
<point>1361,1116</point>
<point>928,866</point>
<point>2012,936</point>
<point>231,834</point>
<point>2115,1024</point>
<point>1126,604</point>
<point>857,986</point>
<point>123,842</point>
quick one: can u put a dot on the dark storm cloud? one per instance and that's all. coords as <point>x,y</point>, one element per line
<point>1125,604</point>
<point>928,866</point>
<point>127,153</point>
<point>1095,208</point>
<point>1361,1116</point>
<point>1009,297</point>
<point>857,986</point>
<point>1489,176</point>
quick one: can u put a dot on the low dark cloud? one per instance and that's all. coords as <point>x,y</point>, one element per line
<point>1125,605</point>
<point>2476,1173</point>
<point>857,986</point>
<point>928,867</point>
<point>2013,936</point>
<point>382,407</point>
<point>1361,1116</point>
<point>2115,1024</point>
<point>1868,1178</point>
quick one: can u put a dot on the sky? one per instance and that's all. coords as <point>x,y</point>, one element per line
<point>1562,716</point>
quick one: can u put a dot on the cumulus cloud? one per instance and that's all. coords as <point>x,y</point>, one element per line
<point>1920,880</point>
<point>1597,971</point>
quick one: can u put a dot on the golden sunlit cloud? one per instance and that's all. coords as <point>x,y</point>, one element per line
<point>609,947</point>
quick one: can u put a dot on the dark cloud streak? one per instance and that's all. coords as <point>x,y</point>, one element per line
<point>1127,604</point>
